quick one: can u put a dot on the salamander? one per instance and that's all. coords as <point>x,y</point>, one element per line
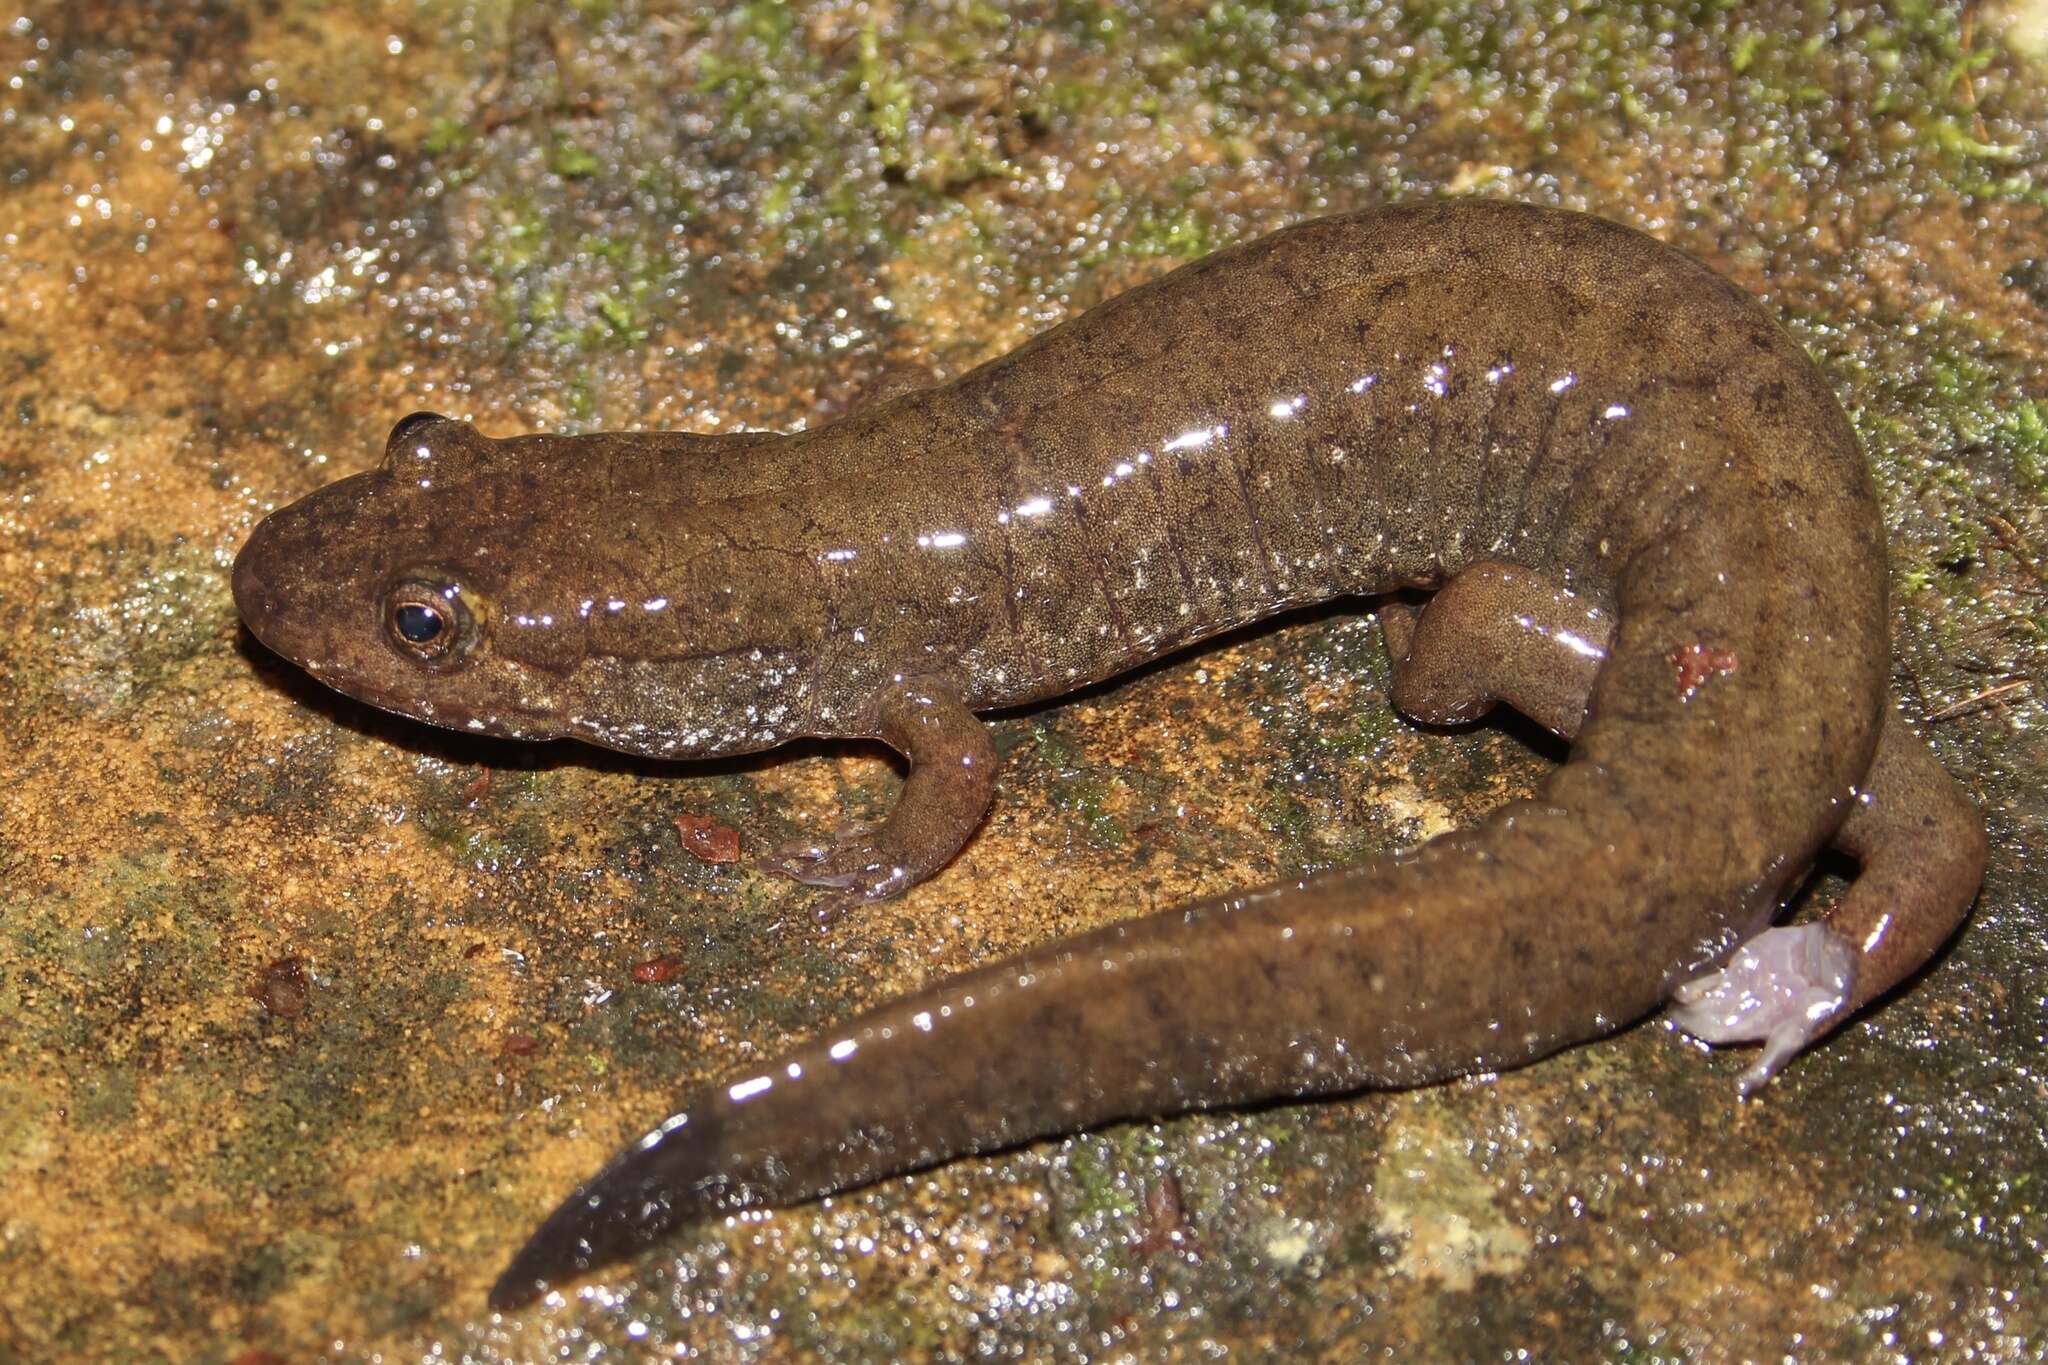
<point>1645,522</point>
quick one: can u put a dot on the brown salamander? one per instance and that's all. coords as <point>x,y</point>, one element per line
<point>1650,527</point>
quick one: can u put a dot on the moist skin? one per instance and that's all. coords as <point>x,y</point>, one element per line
<point>1646,523</point>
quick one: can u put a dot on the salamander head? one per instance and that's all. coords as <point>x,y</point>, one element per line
<point>512,588</point>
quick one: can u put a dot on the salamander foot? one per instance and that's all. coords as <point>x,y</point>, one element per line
<point>856,863</point>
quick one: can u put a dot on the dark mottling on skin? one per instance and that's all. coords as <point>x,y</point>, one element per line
<point>1636,525</point>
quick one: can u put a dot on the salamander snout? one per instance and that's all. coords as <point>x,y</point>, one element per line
<point>261,570</point>
<point>299,576</point>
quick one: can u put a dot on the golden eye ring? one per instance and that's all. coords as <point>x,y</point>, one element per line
<point>429,621</point>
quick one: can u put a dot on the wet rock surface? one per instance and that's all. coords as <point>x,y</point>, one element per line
<point>307,1014</point>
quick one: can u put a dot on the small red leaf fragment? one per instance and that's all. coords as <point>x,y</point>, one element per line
<point>1165,1226</point>
<point>705,838</point>
<point>667,967</point>
<point>282,987</point>
<point>1696,663</point>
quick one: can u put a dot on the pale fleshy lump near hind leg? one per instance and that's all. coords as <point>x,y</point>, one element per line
<point>1784,988</point>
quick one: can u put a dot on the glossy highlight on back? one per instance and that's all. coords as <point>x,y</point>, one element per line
<point>1646,522</point>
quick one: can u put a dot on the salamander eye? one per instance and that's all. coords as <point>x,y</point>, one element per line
<point>416,624</point>
<point>429,621</point>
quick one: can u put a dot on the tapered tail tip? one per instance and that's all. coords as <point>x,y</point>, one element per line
<point>663,1179</point>
<point>541,1265</point>
<point>606,1220</point>
<point>515,1289</point>
<point>570,1242</point>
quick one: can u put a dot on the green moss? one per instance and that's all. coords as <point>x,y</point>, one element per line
<point>777,202</point>
<point>1290,821</point>
<point>1086,799</point>
<point>574,293</point>
<point>122,622</point>
<point>1744,52</point>
<point>543,306</point>
<point>1921,77</point>
<point>1952,397</point>
<point>1098,23</point>
<point>1080,791</point>
<point>515,244</point>
<point>1980,1192</point>
<point>1184,234</point>
<point>1181,233</point>
<point>888,97</point>
<point>572,161</point>
<point>1951,136</point>
<point>1051,99</point>
<point>445,135</point>
<point>1097,1165</point>
<point>104,1097</point>
<point>2023,429</point>
<point>768,22</point>
<point>2021,188</point>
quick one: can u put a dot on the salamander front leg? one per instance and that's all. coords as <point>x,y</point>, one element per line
<point>1921,847</point>
<point>1497,633</point>
<point>952,777</point>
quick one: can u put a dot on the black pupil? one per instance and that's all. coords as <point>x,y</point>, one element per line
<point>418,624</point>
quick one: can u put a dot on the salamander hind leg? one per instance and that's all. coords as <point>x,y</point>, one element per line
<point>952,777</point>
<point>1497,633</point>
<point>1921,848</point>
